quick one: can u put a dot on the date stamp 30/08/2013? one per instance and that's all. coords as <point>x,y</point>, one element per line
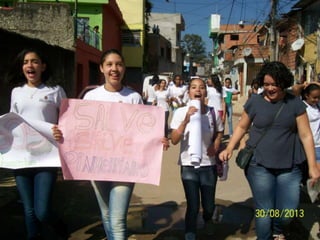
<point>279,213</point>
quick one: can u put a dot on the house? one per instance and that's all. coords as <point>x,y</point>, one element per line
<point>164,39</point>
<point>244,48</point>
<point>74,34</point>
<point>238,53</point>
<point>299,43</point>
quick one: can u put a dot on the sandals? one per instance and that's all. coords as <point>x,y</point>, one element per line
<point>278,237</point>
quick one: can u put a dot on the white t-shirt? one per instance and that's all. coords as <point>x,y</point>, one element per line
<point>40,103</point>
<point>151,93</point>
<point>215,98</point>
<point>162,97</point>
<point>126,95</point>
<point>177,92</point>
<point>314,120</point>
<point>207,130</point>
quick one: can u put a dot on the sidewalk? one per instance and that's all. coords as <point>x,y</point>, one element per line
<point>156,212</point>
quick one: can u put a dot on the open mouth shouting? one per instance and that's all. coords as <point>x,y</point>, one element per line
<point>30,73</point>
<point>197,96</point>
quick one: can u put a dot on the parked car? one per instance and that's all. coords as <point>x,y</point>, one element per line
<point>85,90</point>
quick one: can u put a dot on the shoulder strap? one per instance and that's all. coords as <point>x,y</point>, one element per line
<point>214,121</point>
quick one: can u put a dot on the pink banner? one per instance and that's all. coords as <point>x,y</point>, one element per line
<point>111,141</point>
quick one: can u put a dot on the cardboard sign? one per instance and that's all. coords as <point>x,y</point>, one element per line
<point>111,141</point>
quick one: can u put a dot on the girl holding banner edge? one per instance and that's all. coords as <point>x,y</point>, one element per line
<point>113,197</point>
<point>199,179</point>
<point>36,96</point>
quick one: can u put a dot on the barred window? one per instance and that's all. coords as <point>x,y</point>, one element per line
<point>131,37</point>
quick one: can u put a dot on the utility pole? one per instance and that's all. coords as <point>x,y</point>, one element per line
<point>273,31</point>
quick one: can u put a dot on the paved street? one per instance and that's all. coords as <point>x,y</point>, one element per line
<point>156,212</point>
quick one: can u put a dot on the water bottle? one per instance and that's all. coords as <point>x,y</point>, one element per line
<point>225,169</point>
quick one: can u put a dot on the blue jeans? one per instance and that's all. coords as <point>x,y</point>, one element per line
<point>113,199</point>
<point>229,111</point>
<point>317,149</point>
<point>35,186</point>
<point>198,183</point>
<point>274,191</point>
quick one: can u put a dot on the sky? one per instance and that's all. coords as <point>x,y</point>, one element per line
<point>196,13</point>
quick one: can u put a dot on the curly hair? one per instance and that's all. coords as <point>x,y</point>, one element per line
<point>279,72</point>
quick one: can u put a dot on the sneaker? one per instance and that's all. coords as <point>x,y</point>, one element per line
<point>209,227</point>
<point>190,236</point>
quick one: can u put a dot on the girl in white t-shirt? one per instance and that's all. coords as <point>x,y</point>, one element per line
<point>216,95</point>
<point>311,97</point>
<point>162,100</point>
<point>36,97</point>
<point>199,181</point>
<point>113,197</point>
<point>176,92</point>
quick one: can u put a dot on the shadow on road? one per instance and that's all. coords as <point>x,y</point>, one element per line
<point>75,202</point>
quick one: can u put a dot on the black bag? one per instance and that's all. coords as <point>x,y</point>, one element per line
<point>244,157</point>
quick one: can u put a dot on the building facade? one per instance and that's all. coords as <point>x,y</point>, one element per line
<point>83,29</point>
<point>165,42</point>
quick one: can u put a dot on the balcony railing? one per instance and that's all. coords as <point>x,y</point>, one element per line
<point>89,35</point>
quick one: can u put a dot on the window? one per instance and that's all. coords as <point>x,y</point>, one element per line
<point>234,37</point>
<point>168,54</point>
<point>131,37</point>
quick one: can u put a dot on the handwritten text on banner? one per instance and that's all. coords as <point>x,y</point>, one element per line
<point>111,141</point>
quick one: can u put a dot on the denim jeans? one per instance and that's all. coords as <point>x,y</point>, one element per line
<point>113,199</point>
<point>35,186</point>
<point>198,183</point>
<point>317,149</point>
<point>229,111</point>
<point>274,192</point>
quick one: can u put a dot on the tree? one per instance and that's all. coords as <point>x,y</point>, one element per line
<point>194,46</point>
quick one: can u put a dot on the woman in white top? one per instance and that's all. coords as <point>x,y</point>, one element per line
<point>36,97</point>
<point>151,90</point>
<point>162,100</point>
<point>113,197</point>
<point>311,97</point>
<point>199,181</point>
<point>216,95</point>
<point>176,92</point>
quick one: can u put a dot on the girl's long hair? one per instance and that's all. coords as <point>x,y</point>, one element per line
<point>15,76</point>
<point>216,82</point>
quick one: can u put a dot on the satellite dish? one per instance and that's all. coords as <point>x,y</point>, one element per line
<point>246,51</point>
<point>297,44</point>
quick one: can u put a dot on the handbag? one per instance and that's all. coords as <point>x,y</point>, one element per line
<point>245,155</point>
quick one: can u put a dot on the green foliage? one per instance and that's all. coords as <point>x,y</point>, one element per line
<point>194,47</point>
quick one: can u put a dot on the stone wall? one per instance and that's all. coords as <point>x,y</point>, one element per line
<point>51,23</point>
